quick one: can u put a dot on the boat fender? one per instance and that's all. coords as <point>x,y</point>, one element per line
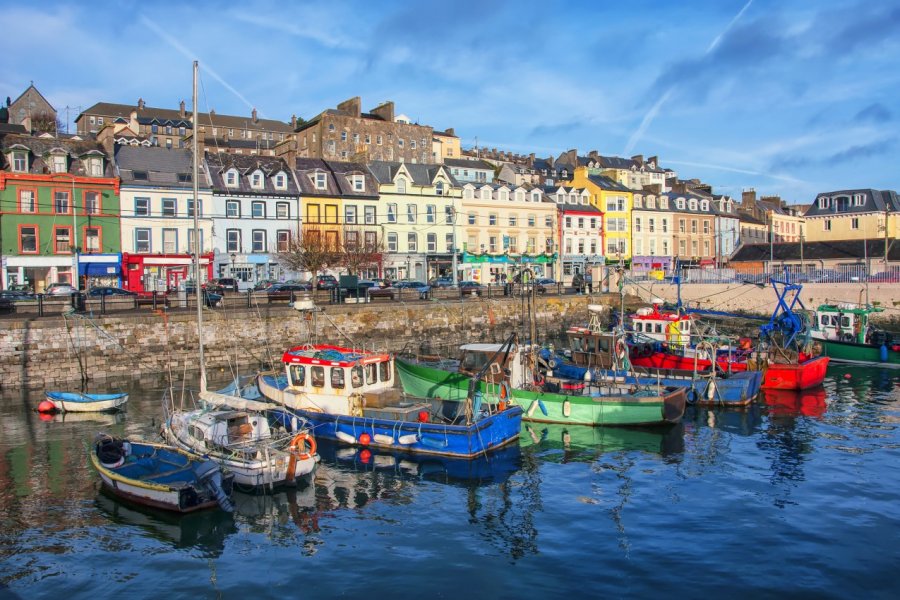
<point>543,408</point>
<point>587,376</point>
<point>345,437</point>
<point>294,423</point>
<point>383,439</point>
<point>711,390</point>
<point>210,476</point>
<point>411,438</point>
<point>692,395</point>
<point>303,446</point>
<point>567,407</point>
<point>533,407</point>
<point>883,353</point>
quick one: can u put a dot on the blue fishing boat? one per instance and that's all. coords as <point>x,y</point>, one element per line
<point>348,395</point>
<point>160,476</point>
<point>81,402</point>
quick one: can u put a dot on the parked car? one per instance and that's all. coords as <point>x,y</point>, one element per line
<point>442,282</point>
<point>110,291</point>
<point>227,284</point>
<point>210,298</point>
<point>467,288</point>
<point>9,299</point>
<point>286,291</point>
<point>418,286</point>
<point>543,284</point>
<point>326,282</point>
<point>21,287</point>
<point>375,289</point>
<point>60,289</point>
<point>264,284</point>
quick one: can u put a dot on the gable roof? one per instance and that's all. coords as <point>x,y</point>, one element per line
<point>148,113</point>
<point>159,166</point>
<point>221,163</point>
<point>421,174</point>
<point>830,250</point>
<point>39,147</point>
<point>875,201</point>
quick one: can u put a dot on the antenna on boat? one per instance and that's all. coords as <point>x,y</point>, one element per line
<point>196,265</point>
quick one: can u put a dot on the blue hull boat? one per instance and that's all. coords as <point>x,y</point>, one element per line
<point>737,389</point>
<point>79,402</point>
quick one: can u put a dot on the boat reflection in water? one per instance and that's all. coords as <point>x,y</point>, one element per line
<point>791,403</point>
<point>563,443</point>
<point>204,530</point>
<point>107,419</point>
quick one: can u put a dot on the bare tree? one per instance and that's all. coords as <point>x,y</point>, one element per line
<point>360,249</point>
<point>46,122</point>
<point>311,250</point>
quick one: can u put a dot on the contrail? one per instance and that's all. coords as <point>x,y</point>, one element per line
<point>193,56</point>
<point>654,110</point>
<point>735,170</point>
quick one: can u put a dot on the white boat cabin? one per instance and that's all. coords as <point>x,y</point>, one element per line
<point>842,322</point>
<point>674,328</point>
<point>227,429</point>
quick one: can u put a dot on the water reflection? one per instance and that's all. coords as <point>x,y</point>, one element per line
<point>792,403</point>
<point>563,443</point>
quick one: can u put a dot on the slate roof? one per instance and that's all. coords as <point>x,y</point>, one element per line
<point>157,167</point>
<point>173,116</point>
<point>605,183</point>
<point>220,163</point>
<point>12,128</point>
<point>468,164</point>
<point>39,147</point>
<point>422,174</point>
<point>830,250</point>
<point>337,180</point>
<point>746,217</point>
<point>876,201</point>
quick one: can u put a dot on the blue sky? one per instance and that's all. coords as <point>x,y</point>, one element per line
<point>790,97</point>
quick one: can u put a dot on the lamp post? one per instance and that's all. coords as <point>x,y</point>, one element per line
<point>233,257</point>
<point>408,264</point>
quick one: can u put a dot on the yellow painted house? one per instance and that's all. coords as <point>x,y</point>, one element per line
<point>320,200</point>
<point>853,215</point>
<point>615,202</point>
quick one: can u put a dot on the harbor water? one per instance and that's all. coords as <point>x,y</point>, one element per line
<point>797,495</point>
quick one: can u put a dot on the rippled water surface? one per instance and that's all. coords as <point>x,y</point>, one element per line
<point>798,495</point>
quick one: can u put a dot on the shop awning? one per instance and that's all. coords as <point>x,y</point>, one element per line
<point>99,269</point>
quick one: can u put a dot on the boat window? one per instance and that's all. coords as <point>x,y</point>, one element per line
<point>356,376</point>
<point>659,328</point>
<point>474,360</point>
<point>384,370</point>
<point>298,375</point>
<point>195,432</point>
<point>638,326</point>
<point>337,377</point>
<point>317,376</point>
<point>371,374</point>
<point>824,320</point>
<point>845,321</point>
<point>603,344</point>
<point>576,344</point>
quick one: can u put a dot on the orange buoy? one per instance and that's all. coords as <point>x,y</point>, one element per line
<point>847,376</point>
<point>365,439</point>
<point>365,455</point>
<point>424,416</point>
<point>46,407</point>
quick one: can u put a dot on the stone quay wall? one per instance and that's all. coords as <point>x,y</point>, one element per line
<point>39,353</point>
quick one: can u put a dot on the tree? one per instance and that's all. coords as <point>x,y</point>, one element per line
<point>46,122</point>
<point>360,249</point>
<point>311,250</point>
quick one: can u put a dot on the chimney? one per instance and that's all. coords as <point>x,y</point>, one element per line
<point>253,113</point>
<point>140,104</point>
<point>593,154</point>
<point>385,110</point>
<point>451,131</point>
<point>748,197</point>
<point>212,112</point>
<point>531,159</point>
<point>351,106</point>
<point>181,109</point>
<point>638,158</point>
<point>550,161</point>
<point>654,160</point>
<point>293,121</point>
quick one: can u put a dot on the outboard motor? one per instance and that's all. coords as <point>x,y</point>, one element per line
<point>210,476</point>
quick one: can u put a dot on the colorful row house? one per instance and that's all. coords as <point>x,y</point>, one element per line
<point>615,201</point>
<point>581,230</point>
<point>59,212</point>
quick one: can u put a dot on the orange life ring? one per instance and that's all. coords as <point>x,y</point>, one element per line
<point>298,445</point>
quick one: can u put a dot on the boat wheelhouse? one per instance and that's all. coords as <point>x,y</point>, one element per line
<point>847,335</point>
<point>671,327</point>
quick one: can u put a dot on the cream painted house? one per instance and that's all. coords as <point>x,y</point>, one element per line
<point>853,215</point>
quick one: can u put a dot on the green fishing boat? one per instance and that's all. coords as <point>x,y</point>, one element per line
<point>511,380</point>
<point>847,335</point>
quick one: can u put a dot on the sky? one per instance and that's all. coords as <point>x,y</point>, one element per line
<point>789,97</point>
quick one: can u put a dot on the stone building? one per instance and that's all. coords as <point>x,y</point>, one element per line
<point>33,111</point>
<point>346,133</point>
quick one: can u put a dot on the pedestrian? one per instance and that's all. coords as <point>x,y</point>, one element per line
<point>578,283</point>
<point>589,282</point>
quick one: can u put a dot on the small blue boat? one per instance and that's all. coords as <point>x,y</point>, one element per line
<point>160,476</point>
<point>80,402</point>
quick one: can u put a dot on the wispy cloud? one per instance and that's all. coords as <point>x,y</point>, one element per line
<point>875,113</point>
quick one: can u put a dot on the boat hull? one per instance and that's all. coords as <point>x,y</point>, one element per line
<point>549,407</point>
<point>807,374</point>
<point>459,441</point>
<point>77,402</point>
<point>862,354</point>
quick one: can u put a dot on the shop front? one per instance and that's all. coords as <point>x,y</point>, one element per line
<point>100,270</point>
<point>161,272</point>
<point>493,268</point>
<point>38,272</point>
<point>398,267</point>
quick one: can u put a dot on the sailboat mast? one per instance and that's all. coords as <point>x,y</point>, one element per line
<point>197,247</point>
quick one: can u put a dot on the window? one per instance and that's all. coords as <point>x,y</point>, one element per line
<point>233,240</point>
<point>282,240</point>
<point>548,222</point>
<point>281,181</point>
<point>512,220</point>
<point>28,239</point>
<point>400,142</point>
<point>168,207</point>
<point>368,139</point>
<point>343,136</point>
<point>256,180</point>
<point>471,218</point>
<point>170,241</point>
<point>369,215</point>
<point>432,242</point>
<point>826,224</point>
<point>320,181</point>
<point>259,240</point>
<point>282,210</point>
<point>486,193</point>
<point>391,213</point>
<point>412,144</point>
<point>401,185</point>
<point>651,225</point>
<point>468,193</point>
<point>231,178</point>
<point>448,214</point>
<point>331,213</point>
<point>531,220</point>
<point>26,201</point>
<point>190,240</point>
<point>61,201</point>
<point>412,242</point>
<point>706,227</point>
<point>142,241</point>
<point>492,219</point>
<point>705,247</point>
<point>568,222</point>
<point>449,241</point>
<point>378,139</point>
<point>681,247</point>
<point>331,127</point>
<point>665,226</point>
<point>92,239</point>
<point>92,203</point>
<point>20,162</point>
<point>439,188</point>
<point>190,207</point>
<point>410,213</point>
<point>233,209</point>
<point>504,195</point>
<point>58,163</point>
<point>681,226</point>
<point>258,210</point>
<point>854,223</point>
<point>359,183</point>
<point>392,242</point>
<point>693,225</point>
<point>62,240</point>
<point>350,215</point>
<point>371,240</point>
<point>430,211</point>
<point>492,243</point>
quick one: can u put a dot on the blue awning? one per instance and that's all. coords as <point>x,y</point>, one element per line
<point>99,269</point>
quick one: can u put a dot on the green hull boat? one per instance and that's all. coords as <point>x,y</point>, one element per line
<point>644,407</point>
<point>860,353</point>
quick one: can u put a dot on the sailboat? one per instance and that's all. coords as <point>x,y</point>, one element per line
<point>234,432</point>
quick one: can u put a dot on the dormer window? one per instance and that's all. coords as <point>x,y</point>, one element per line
<point>692,203</point>
<point>560,198</point>
<point>19,162</point>
<point>680,203</point>
<point>231,178</point>
<point>58,163</point>
<point>486,193</point>
<point>439,188</point>
<point>504,195</point>
<point>638,203</point>
<point>704,206</point>
<point>859,199</point>
<point>573,198</point>
<point>320,181</point>
<point>281,181</point>
<point>536,197</point>
<point>256,180</point>
<point>358,182</point>
<point>824,202</point>
<point>664,203</point>
<point>94,166</point>
<point>401,185</point>
<point>520,196</point>
<point>651,202</point>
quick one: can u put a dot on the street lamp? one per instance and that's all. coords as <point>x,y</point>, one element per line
<point>233,257</point>
<point>408,263</point>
